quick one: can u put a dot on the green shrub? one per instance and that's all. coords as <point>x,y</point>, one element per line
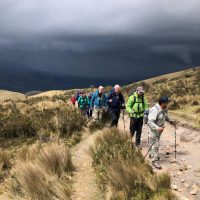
<point>16,125</point>
<point>70,121</point>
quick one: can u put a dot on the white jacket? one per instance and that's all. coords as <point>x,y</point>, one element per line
<point>157,117</point>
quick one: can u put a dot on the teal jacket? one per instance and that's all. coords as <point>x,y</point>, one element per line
<point>136,105</point>
<point>83,103</point>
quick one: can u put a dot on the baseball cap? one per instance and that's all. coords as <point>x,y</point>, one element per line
<point>140,89</point>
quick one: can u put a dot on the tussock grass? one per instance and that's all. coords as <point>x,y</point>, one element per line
<point>44,173</point>
<point>122,170</point>
<point>56,159</point>
<point>5,157</point>
<point>37,184</point>
<point>28,153</point>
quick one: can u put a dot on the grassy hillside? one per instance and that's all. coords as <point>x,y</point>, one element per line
<point>33,128</point>
<point>182,87</point>
<point>8,95</point>
<point>35,139</point>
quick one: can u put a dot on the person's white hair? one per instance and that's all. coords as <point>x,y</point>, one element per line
<point>117,87</point>
<point>101,87</point>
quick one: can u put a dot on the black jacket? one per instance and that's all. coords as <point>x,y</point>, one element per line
<point>117,101</point>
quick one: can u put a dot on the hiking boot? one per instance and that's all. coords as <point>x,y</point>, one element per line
<point>156,165</point>
<point>158,158</point>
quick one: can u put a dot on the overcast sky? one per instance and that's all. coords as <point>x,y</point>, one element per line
<point>105,38</point>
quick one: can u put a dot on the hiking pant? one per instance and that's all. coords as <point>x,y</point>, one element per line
<point>84,111</point>
<point>136,126</point>
<point>97,114</point>
<point>154,144</point>
<point>114,117</point>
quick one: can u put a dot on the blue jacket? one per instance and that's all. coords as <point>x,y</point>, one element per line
<point>97,100</point>
<point>117,101</point>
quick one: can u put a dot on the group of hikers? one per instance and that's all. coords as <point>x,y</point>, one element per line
<point>94,104</point>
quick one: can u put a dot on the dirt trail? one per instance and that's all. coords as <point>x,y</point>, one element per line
<point>85,187</point>
<point>185,172</point>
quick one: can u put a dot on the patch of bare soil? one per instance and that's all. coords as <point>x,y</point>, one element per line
<point>85,187</point>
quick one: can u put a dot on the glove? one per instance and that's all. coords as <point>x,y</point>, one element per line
<point>173,122</point>
<point>123,106</point>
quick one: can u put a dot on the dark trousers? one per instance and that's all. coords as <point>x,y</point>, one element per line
<point>114,117</point>
<point>136,126</point>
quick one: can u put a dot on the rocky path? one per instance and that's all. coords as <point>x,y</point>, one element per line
<point>185,171</point>
<point>85,187</point>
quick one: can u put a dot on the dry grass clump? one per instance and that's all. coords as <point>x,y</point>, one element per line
<point>37,184</point>
<point>123,171</point>
<point>28,153</point>
<point>44,174</point>
<point>5,157</point>
<point>5,164</point>
<point>56,159</point>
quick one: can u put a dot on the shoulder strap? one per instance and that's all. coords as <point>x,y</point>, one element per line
<point>143,102</point>
<point>134,101</point>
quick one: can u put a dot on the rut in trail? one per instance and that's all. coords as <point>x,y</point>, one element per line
<point>85,187</point>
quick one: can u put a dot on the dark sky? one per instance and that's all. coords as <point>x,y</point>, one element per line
<point>121,39</point>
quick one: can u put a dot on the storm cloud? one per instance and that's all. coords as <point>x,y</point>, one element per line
<point>125,39</point>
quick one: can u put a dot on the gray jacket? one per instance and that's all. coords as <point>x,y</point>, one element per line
<point>157,117</point>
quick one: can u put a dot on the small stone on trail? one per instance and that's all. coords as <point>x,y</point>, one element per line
<point>189,166</point>
<point>174,187</point>
<point>173,160</point>
<point>182,180</point>
<point>184,198</point>
<point>194,191</point>
<point>183,167</point>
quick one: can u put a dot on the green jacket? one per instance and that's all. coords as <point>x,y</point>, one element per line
<point>83,103</point>
<point>136,104</point>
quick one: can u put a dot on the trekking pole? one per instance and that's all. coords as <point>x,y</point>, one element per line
<point>124,121</point>
<point>175,141</point>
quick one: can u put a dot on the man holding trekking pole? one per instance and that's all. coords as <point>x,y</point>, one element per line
<point>136,106</point>
<point>156,122</point>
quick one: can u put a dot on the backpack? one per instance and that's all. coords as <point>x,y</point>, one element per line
<point>146,114</point>
<point>134,101</point>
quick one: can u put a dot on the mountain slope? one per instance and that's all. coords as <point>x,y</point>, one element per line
<point>17,77</point>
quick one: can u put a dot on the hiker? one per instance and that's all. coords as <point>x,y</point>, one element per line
<point>136,106</point>
<point>73,100</point>
<point>115,102</point>
<point>98,104</point>
<point>78,94</point>
<point>90,109</point>
<point>156,122</point>
<point>83,103</point>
